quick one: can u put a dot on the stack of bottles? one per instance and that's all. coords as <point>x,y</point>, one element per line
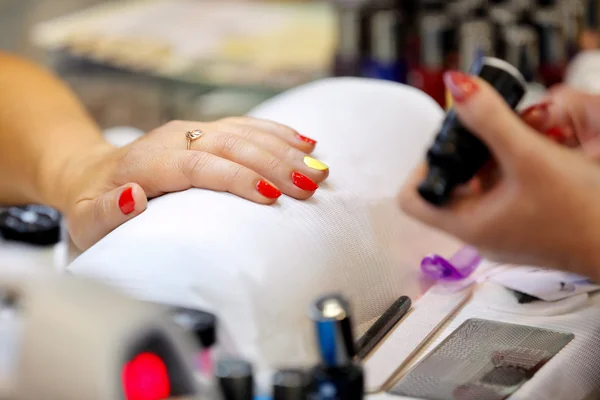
<point>338,376</point>
<point>415,41</point>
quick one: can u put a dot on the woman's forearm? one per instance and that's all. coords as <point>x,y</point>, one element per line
<point>42,128</point>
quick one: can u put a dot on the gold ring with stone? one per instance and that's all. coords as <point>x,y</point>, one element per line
<point>193,135</point>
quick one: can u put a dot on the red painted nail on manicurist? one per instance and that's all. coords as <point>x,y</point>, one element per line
<point>461,86</point>
<point>556,133</point>
<point>267,190</point>
<point>541,109</point>
<point>306,140</point>
<point>304,182</point>
<point>126,201</point>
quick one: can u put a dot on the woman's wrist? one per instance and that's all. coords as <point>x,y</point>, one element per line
<point>60,174</point>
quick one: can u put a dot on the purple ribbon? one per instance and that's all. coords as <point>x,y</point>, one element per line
<point>460,266</point>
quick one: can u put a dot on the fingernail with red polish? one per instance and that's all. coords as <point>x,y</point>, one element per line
<point>556,133</point>
<point>308,140</point>
<point>267,190</point>
<point>538,110</point>
<point>126,202</point>
<point>461,86</point>
<point>304,182</point>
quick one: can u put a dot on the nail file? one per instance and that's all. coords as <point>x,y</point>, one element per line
<point>482,359</point>
<point>429,313</point>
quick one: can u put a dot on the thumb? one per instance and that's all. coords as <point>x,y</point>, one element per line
<point>486,114</point>
<point>92,219</point>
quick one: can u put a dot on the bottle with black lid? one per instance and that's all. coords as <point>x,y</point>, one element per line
<point>202,324</point>
<point>457,155</point>
<point>502,17</point>
<point>32,224</point>
<point>236,379</point>
<point>522,50</point>
<point>337,377</point>
<point>350,44</point>
<point>290,384</point>
<point>552,44</point>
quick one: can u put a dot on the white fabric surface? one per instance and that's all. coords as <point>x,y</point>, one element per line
<point>259,267</point>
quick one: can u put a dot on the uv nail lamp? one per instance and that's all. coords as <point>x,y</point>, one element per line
<point>63,338</point>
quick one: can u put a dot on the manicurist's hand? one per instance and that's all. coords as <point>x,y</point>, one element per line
<point>255,159</point>
<point>538,202</point>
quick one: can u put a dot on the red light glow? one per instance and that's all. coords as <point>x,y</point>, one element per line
<point>146,378</point>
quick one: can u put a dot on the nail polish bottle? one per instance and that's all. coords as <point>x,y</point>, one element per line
<point>458,13</point>
<point>553,47</point>
<point>203,326</point>
<point>428,75</point>
<point>31,224</point>
<point>502,17</point>
<point>457,155</point>
<point>588,39</point>
<point>384,61</point>
<point>409,34</point>
<point>348,53</point>
<point>236,379</point>
<point>290,384</point>
<point>337,377</point>
<point>522,51</point>
<point>570,14</point>
<point>476,37</point>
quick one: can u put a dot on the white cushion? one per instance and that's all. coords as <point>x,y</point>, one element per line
<point>259,267</point>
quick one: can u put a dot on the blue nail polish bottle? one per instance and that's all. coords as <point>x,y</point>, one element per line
<point>384,61</point>
<point>337,377</point>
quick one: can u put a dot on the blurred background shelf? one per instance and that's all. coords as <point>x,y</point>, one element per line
<point>143,62</point>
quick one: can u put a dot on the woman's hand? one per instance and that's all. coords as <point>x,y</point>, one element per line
<point>537,205</point>
<point>252,158</point>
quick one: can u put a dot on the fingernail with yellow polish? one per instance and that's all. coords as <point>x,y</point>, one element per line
<point>315,164</point>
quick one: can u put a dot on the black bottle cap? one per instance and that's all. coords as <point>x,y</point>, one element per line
<point>331,316</point>
<point>236,379</point>
<point>290,384</point>
<point>591,14</point>
<point>525,17</point>
<point>437,37</point>
<point>433,5</point>
<point>33,224</point>
<point>436,188</point>
<point>546,3</point>
<point>480,12</point>
<point>202,324</point>
<point>504,77</point>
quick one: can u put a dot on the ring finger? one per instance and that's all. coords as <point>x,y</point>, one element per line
<point>302,162</point>
<point>289,135</point>
<point>244,152</point>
